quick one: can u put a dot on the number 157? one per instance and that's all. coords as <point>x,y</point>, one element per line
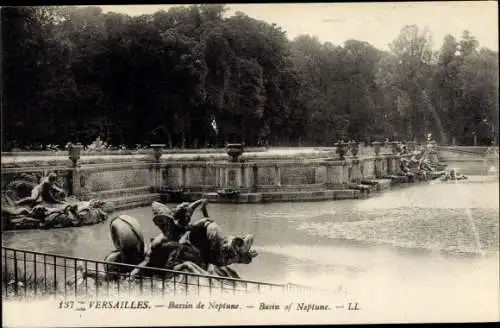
<point>66,304</point>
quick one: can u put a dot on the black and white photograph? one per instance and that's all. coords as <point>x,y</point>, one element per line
<point>246,164</point>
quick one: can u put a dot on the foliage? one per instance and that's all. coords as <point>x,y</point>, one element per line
<point>72,74</point>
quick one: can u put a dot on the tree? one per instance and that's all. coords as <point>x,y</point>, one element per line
<point>407,70</point>
<point>75,73</point>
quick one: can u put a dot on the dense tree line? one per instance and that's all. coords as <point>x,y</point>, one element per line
<point>75,73</point>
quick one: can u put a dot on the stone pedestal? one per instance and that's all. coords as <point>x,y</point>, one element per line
<point>245,176</point>
<point>355,171</point>
<point>233,177</point>
<point>77,181</point>
<point>366,170</point>
<point>321,174</point>
<point>77,177</point>
<point>255,173</point>
<point>330,174</point>
<point>345,172</point>
<point>277,175</point>
<point>156,177</point>
<point>377,145</point>
<point>389,165</point>
<point>220,177</point>
<point>378,167</point>
<point>336,177</point>
<point>183,177</point>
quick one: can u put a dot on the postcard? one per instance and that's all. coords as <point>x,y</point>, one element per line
<point>248,164</point>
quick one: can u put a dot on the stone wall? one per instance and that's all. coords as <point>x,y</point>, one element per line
<point>271,175</point>
<point>91,180</point>
<point>95,179</point>
<point>108,178</point>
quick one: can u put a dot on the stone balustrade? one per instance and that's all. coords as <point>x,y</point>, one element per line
<point>152,175</point>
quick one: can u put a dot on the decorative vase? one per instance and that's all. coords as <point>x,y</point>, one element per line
<point>395,147</point>
<point>75,151</point>
<point>354,148</point>
<point>341,149</point>
<point>234,151</point>
<point>157,151</point>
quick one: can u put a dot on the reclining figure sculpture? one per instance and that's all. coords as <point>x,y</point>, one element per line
<point>31,204</point>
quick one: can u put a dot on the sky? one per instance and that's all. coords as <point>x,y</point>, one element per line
<point>376,23</point>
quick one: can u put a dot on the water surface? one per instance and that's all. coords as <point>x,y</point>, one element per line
<point>435,242</point>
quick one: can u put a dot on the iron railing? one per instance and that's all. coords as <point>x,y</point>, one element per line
<point>28,274</point>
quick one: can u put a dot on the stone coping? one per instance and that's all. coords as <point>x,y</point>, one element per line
<point>147,162</point>
<point>171,155</point>
<point>64,153</point>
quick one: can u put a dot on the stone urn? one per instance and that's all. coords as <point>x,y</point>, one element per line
<point>395,147</point>
<point>341,149</point>
<point>377,145</point>
<point>354,148</point>
<point>234,151</point>
<point>75,152</point>
<point>157,151</point>
<point>387,143</point>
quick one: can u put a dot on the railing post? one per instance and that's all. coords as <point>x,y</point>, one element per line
<point>25,277</point>
<point>55,275</point>
<point>16,282</point>
<point>45,272</point>
<point>34,274</point>
<point>226,284</point>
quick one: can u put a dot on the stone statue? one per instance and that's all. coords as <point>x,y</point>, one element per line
<point>453,175</point>
<point>47,190</point>
<point>29,204</point>
<point>199,248</point>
